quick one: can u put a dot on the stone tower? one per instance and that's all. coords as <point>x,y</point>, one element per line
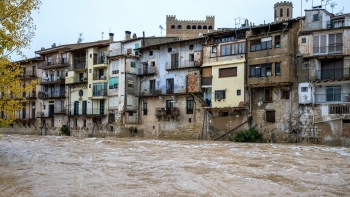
<point>186,29</point>
<point>283,11</point>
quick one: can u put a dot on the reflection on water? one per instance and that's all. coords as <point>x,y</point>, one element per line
<point>66,166</point>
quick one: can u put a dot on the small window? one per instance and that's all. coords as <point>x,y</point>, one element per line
<point>179,27</point>
<point>223,113</point>
<point>190,47</point>
<point>199,27</point>
<point>281,12</point>
<point>285,94</point>
<point>191,57</point>
<point>131,113</point>
<point>133,64</point>
<point>315,17</point>
<point>188,27</point>
<point>84,123</point>
<point>90,70</point>
<point>277,69</point>
<point>278,41</point>
<point>267,95</point>
<point>170,50</point>
<point>150,53</point>
<point>210,27</point>
<point>194,27</point>
<point>305,65</point>
<point>303,40</point>
<point>304,89</point>
<point>173,27</point>
<point>287,12</point>
<point>144,108</point>
<point>238,92</point>
<point>270,116</point>
<point>213,49</point>
<point>189,105</point>
<point>220,94</point>
<point>153,63</point>
<point>205,27</point>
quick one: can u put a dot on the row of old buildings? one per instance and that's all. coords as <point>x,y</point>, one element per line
<point>290,79</point>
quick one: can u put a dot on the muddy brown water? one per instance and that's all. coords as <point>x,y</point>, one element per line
<point>67,166</point>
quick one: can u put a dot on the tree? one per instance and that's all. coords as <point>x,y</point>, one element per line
<point>16,31</point>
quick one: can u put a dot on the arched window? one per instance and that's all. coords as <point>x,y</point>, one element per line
<point>188,27</point>
<point>287,12</point>
<point>173,27</point>
<point>281,12</point>
<point>199,27</point>
<point>210,27</point>
<point>193,27</point>
<point>179,27</point>
<point>205,27</point>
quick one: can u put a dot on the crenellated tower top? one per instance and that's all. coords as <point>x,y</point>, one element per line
<point>283,11</point>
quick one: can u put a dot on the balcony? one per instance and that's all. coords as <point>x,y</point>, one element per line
<point>183,64</point>
<point>207,81</point>
<point>97,76</point>
<point>80,65</point>
<point>60,110</point>
<point>61,63</point>
<point>163,112</point>
<point>331,49</point>
<point>45,114</point>
<point>100,61</point>
<point>332,24</point>
<point>54,94</point>
<point>147,70</point>
<point>99,93</point>
<point>52,80</point>
<point>341,73</point>
<point>28,73</point>
<point>88,111</point>
<point>332,98</point>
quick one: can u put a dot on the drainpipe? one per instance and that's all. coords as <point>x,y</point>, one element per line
<point>125,90</point>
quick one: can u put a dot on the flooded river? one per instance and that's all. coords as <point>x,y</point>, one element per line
<point>67,166</point>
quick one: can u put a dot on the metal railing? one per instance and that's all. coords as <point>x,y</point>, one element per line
<point>89,111</point>
<point>45,114</point>
<point>97,76</point>
<point>207,81</point>
<point>333,73</point>
<point>167,111</point>
<point>54,62</point>
<point>181,64</point>
<point>146,70</point>
<point>99,92</point>
<point>332,24</point>
<point>77,79</point>
<point>335,97</point>
<point>99,60</point>
<point>52,94</point>
<point>58,79</point>
<point>81,64</point>
<point>330,49</point>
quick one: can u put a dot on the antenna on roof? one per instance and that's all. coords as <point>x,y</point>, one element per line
<point>161,30</point>
<point>102,34</point>
<point>333,4</point>
<point>80,38</point>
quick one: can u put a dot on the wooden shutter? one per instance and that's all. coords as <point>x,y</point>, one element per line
<point>228,72</point>
<point>323,44</point>
<point>316,46</point>
<point>207,72</point>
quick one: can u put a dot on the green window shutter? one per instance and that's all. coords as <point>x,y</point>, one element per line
<point>133,64</point>
<point>137,45</point>
<point>113,83</point>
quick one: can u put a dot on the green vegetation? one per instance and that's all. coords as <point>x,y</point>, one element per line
<point>251,135</point>
<point>64,130</point>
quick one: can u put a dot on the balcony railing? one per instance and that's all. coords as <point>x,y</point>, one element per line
<point>99,92</point>
<point>181,65</point>
<point>51,80</point>
<point>60,110</point>
<point>167,112</point>
<point>96,76</point>
<point>333,73</point>
<point>29,73</point>
<point>31,95</point>
<point>54,63</point>
<point>51,94</point>
<point>80,64</point>
<point>89,111</point>
<point>147,70</point>
<point>331,49</point>
<point>45,114</point>
<point>336,97</point>
<point>78,79</point>
<point>207,81</point>
<point>332,24</point>
<point>100,60</point>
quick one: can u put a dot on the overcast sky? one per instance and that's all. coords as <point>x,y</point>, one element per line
<point>61,21</point>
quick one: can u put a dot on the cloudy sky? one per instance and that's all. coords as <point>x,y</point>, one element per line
<point>62,21</point>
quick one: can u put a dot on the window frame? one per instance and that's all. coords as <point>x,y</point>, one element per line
<point>269,114</point>
<point>189,105</point>
<point>315,17</point>
<point>144,107</point>
<point>268,96</point>
<point>220,94</point>
<point>277,69</point>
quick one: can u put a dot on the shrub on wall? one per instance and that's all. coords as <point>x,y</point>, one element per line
<point>251,135</point>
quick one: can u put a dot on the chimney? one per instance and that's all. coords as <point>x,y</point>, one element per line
<point>127,35</point>
<point>111,37</point>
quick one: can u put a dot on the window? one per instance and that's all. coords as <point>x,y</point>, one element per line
<point>113,83</point>
<point>238,92</point>
<point>304,89</point>
<point>303,40</point>
<point>99,89</point>
<point>190,47</point>
<point>150,53</point>
<point>228,72</point>
<point>225,50</point>
<point>174,60</point>
<point>170,50</point>
<point>329,43</point>
<point>179,27</point>
<point>189,105</point>
<point>153,63</point>
<point>210,27</point>
<point>49,61</point>
<point>267,95</point>
<point>263,44</point>
<point>133,64</point>
<point>131,113</point>
<point>191,57</point>
<point>152,86</point>
<point>285,94</point>
<point>238,48</point>
<point>275,13</point>
<point>173,27</point>
<point>315,17</point>
<point>144,107</point>
<point>277,41</point>
<point>205,27</point>
<point>170,86</point>
<point>220,94</point>
<point>261,70</point>
<point>130,83</point>
<point>76,107</point>
<point>84,123</point>
<point>213,49</point>
<point>199,27</point>
<point>287,12</point>
<point>277,69</point>
<point>188,27</point>
<point>305,65</point>
<point>333,93</point>
<point>270,116</point>
<point>193,27</point>
<point>223,113</point>
<point>281,12</point>
<point>64,58</point>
